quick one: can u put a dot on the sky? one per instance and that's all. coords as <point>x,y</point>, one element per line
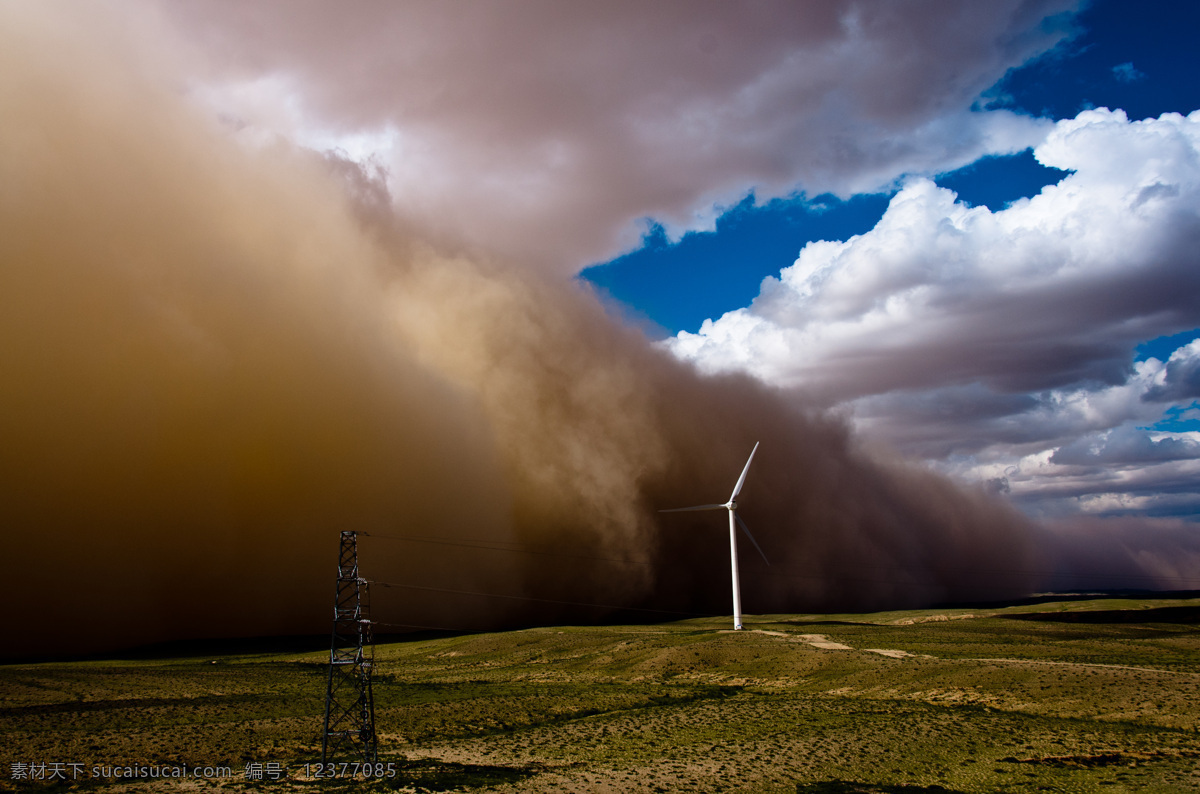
<point>1031,327</point>
<point>270,271</point>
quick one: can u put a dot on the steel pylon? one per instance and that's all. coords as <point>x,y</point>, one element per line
<point>349,701</point>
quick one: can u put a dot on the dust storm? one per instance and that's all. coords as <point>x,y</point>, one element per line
<point>217,354</point>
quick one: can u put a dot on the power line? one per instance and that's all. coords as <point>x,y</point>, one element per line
<point>480,594</point>
<point>433,628</point>
<point>509,547</point>
<point>775,573</point>
<point>515,548</point>
<point>992,572</point>
<point>540,600</point>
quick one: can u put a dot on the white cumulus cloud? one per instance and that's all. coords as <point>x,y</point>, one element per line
<point>988,340</point>
<point>1052,291</point>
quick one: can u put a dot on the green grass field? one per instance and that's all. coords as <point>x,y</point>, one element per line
<point>1073,696</point>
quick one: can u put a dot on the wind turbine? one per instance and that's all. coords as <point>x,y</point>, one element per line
<point>731,506</point>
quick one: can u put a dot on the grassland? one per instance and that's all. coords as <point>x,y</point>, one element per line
<point>1072,696</point>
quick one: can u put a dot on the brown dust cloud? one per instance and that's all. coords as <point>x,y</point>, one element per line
<point>216,356</point>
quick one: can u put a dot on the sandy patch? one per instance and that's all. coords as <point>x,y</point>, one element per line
<point>934,619</point>
<point>815,640</point>
<point>823,642</point>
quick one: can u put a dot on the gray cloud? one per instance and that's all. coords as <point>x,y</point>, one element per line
<point>545,131</point>
<point>1123,446</point>
<point>940,422</point>
<point>1181,380</point>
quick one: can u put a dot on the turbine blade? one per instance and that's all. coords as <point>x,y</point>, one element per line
<point>746,529</point>
<point>697,507</point>
<point>738,488</point>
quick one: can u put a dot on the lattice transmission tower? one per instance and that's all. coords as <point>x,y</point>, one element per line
<point>349,702</point>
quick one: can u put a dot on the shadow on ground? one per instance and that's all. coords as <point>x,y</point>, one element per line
<point>433,775</point>
<point>1187,616</point>
<point>848,787</point>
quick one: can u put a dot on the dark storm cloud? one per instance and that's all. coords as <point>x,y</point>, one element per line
<point>1136,553</point>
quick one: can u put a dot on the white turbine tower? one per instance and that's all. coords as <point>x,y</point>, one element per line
<point>731,506</point>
